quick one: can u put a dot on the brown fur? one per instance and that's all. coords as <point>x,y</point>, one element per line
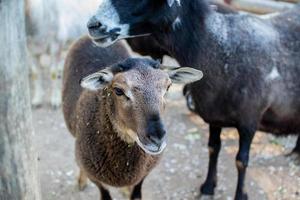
<point>100,152</point>
<point>83,59</point>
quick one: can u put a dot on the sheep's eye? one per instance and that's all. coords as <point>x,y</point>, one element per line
<point>118,91</point>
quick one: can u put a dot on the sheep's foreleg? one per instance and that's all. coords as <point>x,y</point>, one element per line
<point>104,193</point>
<point>246,134</point>
<point>137,191</point>
<point>214,145</point>
<point>82,180</point>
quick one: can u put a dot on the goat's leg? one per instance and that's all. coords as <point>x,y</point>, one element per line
<point>36,78</point>
<point>246,134</point>
<point>214,145</point>
<point>137,191</point>
<point>56,74</point>
<point>56,82</point>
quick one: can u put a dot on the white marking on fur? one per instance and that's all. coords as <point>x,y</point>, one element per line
<point>160,150</point>
<point>264,33</point>
<point>226,68</point>
<point>216,25</point>
<point>269,16</point>
<point>176,24</point>
<point>178,2</point>
<point>274,74</point>
<point>129,136</point>
<point>130,95</point>
<point>108,16</point>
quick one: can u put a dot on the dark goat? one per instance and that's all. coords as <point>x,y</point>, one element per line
<point>148,46</point>
<point>251,66</point>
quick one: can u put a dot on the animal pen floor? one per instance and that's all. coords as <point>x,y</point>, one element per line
<point>183,168</point>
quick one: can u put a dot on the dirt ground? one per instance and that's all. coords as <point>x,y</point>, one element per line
<point>271,175</point>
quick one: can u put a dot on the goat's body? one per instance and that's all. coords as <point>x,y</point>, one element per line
<point>251,78</point>
<point>282,116</point>
<point>100,152</point>
<point>250,72</point>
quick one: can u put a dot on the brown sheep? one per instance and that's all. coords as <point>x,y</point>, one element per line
<point>116,118</point>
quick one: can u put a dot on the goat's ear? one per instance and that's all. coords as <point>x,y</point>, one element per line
<point>171,2</point>
<point>98,80</point>
<point>183,75</point>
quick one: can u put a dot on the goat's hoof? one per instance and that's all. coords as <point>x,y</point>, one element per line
<point>208,189</point>
<point>205,197</point>
<point>242,196</point>
<point>55,104</point>
<point>55,101</point>
<point>55,107</point>
<point>36,104</point>
<point>294,157</point>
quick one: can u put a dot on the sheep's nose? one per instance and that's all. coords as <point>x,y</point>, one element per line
<point>95,27</point>
<point>156,131</point>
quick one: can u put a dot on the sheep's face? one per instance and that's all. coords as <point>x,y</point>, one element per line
<point>117,19</point>
<point>136,90</point>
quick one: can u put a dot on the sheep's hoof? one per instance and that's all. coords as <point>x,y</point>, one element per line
<point>82,185</point>
<point>126,191</point>
<point>82,181</point>
<point>294,157</point>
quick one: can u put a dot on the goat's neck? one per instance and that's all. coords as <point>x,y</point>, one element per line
<point>197,39</point>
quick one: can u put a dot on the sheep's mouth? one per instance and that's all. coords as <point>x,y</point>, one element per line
<point>151,147</point>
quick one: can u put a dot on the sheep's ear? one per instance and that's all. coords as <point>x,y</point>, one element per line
<point>183,75</point>
<point>98,80</point>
